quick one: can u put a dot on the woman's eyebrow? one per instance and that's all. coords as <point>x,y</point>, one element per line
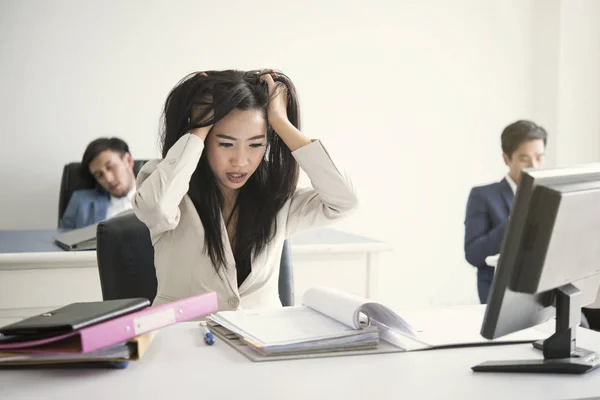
<point>261,136</point>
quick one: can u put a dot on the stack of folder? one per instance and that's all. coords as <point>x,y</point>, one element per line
<point>294,330</point>
<point>333,323</point>
<point>101,334</point>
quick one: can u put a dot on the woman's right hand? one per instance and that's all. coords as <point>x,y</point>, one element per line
<point>197,110</point>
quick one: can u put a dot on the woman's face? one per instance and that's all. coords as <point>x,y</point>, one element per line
<point>236,146</point>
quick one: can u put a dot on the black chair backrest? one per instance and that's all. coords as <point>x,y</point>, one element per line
<point>286,276</point>
<point>125,258</point>
<point>126,261</point>
<point>73,178</point>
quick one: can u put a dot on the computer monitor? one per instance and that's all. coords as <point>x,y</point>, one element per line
<point>548,267</point>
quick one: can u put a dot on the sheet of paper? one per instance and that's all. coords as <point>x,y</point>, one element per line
<point>281,325</point>
<point>454,326</point>
<point>348,308</point>
<point>341,306</point>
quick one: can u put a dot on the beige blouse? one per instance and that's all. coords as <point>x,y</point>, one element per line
<point>183,269</point>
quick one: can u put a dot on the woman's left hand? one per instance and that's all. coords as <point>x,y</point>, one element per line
<point>277,110</point>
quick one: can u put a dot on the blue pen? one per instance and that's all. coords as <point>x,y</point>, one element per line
<point>208,335</point>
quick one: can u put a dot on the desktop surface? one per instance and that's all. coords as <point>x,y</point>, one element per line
<point>179,365</point>
<point>328,236</point>
<point>29,241</point>
<point>36,241</point>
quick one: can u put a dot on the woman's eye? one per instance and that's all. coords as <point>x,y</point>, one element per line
<point>257,145</point>
<point>225,144</point>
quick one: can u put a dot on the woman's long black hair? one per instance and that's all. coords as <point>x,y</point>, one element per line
<point>266,191</point>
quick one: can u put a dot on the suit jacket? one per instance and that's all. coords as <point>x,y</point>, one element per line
<point>183,268</point>
<point>488,209</point>
<point>86,207</point>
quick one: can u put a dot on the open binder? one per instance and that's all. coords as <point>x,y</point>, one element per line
<point>334,323</point>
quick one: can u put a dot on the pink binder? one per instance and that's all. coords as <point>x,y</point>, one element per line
<point>122,328</point>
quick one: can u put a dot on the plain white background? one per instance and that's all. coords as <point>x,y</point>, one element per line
<point>410,97</point>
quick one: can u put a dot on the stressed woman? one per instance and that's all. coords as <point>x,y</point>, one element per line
<point>223,199</point>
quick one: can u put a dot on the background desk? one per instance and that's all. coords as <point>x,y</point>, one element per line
<point>178,365</point>
<point>337,259</point>
<point>34,272</point>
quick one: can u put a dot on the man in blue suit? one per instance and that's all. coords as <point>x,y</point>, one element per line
<point>488,207</point>
<point>109,162</point>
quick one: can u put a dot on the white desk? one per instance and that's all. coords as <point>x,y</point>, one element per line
<point>179,366</point>
<point>34,272</point>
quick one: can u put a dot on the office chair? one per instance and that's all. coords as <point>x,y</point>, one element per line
<point>126,261</point>
<point>73,178</point>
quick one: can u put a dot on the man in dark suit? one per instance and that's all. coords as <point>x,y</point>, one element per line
<point>109,162</point>
<point>488,207</point>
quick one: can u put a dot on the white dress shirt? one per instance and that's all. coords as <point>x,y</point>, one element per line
<point>511,183</point>
<point>118,205</point>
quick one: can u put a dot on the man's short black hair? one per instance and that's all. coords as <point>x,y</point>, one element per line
<point>519,132</point>
<point>98,146</point>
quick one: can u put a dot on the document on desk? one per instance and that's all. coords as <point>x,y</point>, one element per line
<point>334,321</point>
<point>492,261</point>
<point>460,326</point>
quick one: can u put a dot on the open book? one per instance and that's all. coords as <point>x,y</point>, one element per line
<point>333,322</point>
<point>78,239</point>
<point>492,261</point>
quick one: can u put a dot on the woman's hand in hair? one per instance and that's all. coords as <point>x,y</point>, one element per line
<point>202,112</point>
<point>277,111</point>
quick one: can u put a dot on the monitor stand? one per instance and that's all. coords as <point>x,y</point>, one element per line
<point>561,356</point>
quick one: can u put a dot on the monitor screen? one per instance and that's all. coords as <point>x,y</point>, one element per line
<point>541,247</point>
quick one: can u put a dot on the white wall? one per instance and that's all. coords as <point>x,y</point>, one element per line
<point>579,83</point>
<point>410,96</point>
